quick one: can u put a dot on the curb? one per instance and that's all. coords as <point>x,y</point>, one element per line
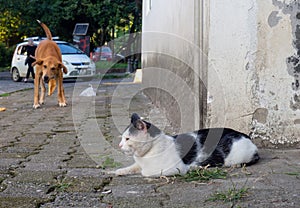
<point>138,77</point>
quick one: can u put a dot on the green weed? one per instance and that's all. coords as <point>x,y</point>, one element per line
<point>5,95</point>
<point>61,187</point>
<point>232,195</point>
<point>204,174</point>
<point>293,173</point>
<point>110,163</point>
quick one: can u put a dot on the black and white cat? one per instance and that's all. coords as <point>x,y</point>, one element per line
<point>157,154</point>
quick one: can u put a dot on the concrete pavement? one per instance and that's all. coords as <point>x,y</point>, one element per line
<point>8,86</point>
<point>61,157</point>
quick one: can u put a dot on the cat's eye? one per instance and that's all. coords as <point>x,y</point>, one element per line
<point>127,139</point>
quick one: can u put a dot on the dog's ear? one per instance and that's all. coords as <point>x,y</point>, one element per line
<point>61,65</point>
<point>38,62</point>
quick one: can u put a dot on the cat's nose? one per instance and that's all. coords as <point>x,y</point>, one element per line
<point>120,145</point>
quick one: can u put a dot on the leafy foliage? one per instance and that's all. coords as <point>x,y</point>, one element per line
<point>5,56</point>
<point>107,18</point>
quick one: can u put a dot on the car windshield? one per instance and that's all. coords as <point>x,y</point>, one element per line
<point>67,48</point>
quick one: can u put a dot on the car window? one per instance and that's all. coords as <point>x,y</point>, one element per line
<point>21,50</point>
<point>66,48</point>
<point>103,49</point>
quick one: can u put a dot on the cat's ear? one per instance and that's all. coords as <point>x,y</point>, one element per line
<point>140,125</point>
<point>134,118</point>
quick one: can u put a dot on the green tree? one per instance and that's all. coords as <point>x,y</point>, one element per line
<point>9,25</point>
<point>108,19</point>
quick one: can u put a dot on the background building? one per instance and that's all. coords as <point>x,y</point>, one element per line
<point>225,63</point>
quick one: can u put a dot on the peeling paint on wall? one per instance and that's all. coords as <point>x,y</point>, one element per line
<point>295,103</point>
<point>273,19</point>
<point>263,133</point>
<point>291,8</point>
<point>261,115</point>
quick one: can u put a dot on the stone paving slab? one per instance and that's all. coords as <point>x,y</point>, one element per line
<point>61,157</point>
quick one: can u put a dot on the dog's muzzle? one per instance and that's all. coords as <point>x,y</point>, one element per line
<point>46,79</point>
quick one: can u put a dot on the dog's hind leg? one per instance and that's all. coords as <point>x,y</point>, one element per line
<point>63,103</point>
<point>61,93</point>
<point>37,81</point>
<point>43,92</point>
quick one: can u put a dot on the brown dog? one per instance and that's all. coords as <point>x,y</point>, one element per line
<point>49,68</point>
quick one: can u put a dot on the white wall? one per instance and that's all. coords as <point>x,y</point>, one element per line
<point>249,54</point>
<point>174,17</point>
<point>168,59</point>
<point>250,86</point>
<point>168,28</point>
<point>232,46</point>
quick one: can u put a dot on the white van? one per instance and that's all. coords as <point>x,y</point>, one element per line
<point>79,65</point>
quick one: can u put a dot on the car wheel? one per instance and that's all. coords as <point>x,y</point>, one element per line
<point>15,75</point>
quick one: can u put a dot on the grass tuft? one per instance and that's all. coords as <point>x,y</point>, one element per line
<point>61,187</point>
<point>293,173</point>
<point>110,163</point>
<point>5,95</point>
<point>204,174</point>
<point>231,195</point>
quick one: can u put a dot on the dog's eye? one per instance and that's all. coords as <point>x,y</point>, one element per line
<point>45,66</point>
<point>127,139</point>
<point>52,68</point>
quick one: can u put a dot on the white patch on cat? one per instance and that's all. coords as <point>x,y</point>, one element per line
<point>162,159</point>
<point>202,156</point>
<point>153,156</point>
<point>242,151</point>
<point>124,147</point>
<point>133,169</point>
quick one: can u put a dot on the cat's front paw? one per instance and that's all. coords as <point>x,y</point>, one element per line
<point>121,171</point>
<point>110,172</point>
<point>133,169</point>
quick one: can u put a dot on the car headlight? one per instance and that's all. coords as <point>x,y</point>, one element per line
<point>65,62</point>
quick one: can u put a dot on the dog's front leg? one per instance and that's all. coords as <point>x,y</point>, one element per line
<point>36,91</point>
<point>61,93</point>
<point>43,91</point>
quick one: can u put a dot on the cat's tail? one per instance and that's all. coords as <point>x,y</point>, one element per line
<point>254,160</point>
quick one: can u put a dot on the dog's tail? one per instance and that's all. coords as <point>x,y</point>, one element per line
<point>46,29</point>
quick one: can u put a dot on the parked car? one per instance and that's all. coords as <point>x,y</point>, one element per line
<point>79,65</point>
<point>104,53</point>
